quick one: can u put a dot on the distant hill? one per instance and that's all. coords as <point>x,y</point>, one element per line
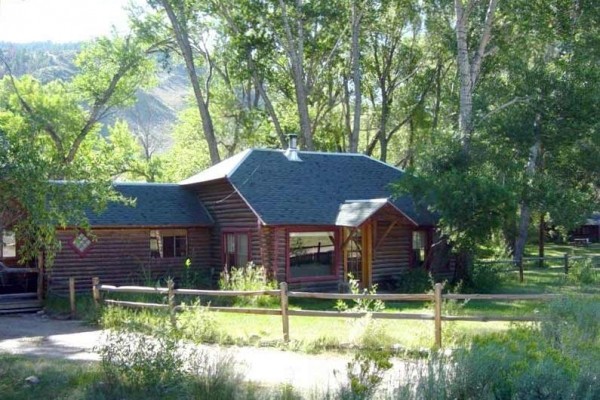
<point>155,110</point>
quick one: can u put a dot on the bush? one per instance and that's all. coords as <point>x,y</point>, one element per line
<point>365,373</point>
<point>250,277</point>
<point>196,323</point>
<point>135,366</point>
<point>487,277</point>
<point>416,280</point>
<point>582,272</point>
<point>360,305</point>
<point>557,360</point>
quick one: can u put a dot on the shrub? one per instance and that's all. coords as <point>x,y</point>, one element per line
<point>416,280</point>
<point>134,364</point>
<point>365,373</point>
<point>360,305</point>
<point>141,367</point>
<point>557,360</point>
<point>250,277</point>
<point>196,323</point>
<point>582,272</point>
<point>487,277</point>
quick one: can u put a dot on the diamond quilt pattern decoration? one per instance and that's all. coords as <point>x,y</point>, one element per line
<point>81,243</point>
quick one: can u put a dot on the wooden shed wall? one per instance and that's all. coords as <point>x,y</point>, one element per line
<point>121,257</point>
<point>230,213</point>
<point>391,258</point>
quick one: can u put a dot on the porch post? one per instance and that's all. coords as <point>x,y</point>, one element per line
<point>367,253</point>
<point>345,235</point>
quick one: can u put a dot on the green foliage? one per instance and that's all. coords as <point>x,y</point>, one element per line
<point>365,374</point>
<point>583,272</point>
<point>137,366</point>
<point>52,131</point>
<point>196,323</point>
<point>416,280</point>
<point>558,360</point>
<point>487,277</point>
<point>360,304</point>
<point>249,278</point>
<point>368,334</point>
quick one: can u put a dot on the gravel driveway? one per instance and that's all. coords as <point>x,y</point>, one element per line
<point>37,335</point>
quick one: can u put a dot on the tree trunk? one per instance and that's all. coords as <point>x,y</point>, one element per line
<point>464,72</point>
<point>525,211</point>
<point>356,77</point>
<point>295,50</point>
<point>541,239</point>
<point>525,214</point>
<point>469,70</point>
<point>181,35</point>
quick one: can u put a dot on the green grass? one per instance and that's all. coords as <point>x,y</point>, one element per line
<point>58,379</point>
<point>325,333</point>
<point>559,250</point>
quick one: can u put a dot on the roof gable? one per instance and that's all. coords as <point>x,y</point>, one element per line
<point>282,192</point>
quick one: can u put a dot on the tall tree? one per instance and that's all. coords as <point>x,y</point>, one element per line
<point>185,18</point>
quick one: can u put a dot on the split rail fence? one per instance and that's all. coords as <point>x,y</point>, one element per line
<point>564,260</point>
<point>284,295</point>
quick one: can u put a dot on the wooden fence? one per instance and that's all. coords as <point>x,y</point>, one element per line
<point>437,297</point>
<point>564,260</point>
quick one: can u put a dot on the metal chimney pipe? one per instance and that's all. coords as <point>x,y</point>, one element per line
<point>292,151</point>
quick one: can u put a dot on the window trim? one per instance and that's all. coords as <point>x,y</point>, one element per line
<point>235,232</point>
<point>2,256</point>
<point>426,248</point>
<point>168,233</point>
<point>336,254</point>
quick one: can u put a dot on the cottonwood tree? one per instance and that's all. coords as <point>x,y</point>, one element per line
<point>178,26</point>
<point>53,131</point>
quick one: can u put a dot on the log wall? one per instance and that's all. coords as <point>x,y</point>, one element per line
<point>230,213</point>
<point>391,258</point>
<point>122,257</point>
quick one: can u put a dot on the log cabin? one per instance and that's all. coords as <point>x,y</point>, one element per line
<point>310,218</point>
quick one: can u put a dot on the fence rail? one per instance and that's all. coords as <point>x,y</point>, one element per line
<point>437,297</point>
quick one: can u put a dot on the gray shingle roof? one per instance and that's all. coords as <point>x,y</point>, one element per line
<point>309,192</point>
<point>156,204</point>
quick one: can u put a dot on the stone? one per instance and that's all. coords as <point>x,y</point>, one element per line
<point>32,380</point>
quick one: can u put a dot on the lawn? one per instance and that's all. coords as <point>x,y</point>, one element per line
<point>321,333</point>
<point>57,379</point>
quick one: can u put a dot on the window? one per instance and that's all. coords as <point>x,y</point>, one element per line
<point>168,243</point>
<point>9,245</point>
<point>311,254</point>
<point>419,240</point>
<point>236,249</point>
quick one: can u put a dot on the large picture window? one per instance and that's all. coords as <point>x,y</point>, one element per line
<point>168,243</point>
<point>9,244</point>
<point>236,249</point>
<point>311,254</point>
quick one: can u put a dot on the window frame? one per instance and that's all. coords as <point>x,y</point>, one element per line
<point>235,232</point>
<point>172,234</point>
<point>2,256</point>
<point>335,260</point>
<point>414,262</point>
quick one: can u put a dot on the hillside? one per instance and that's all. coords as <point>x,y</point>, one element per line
<point>155,110</point>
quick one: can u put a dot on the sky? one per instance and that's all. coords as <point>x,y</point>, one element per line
<point>60,21</point>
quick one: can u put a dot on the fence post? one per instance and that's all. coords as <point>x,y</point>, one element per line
<point>437,314</point>
<point>284,311</point>
<point>566,263</point>
<point>96,291</point>
<point>72,297</point>
<point>171,301</point>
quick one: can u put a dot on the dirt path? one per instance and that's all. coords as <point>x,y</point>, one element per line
<point>37,335</point>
